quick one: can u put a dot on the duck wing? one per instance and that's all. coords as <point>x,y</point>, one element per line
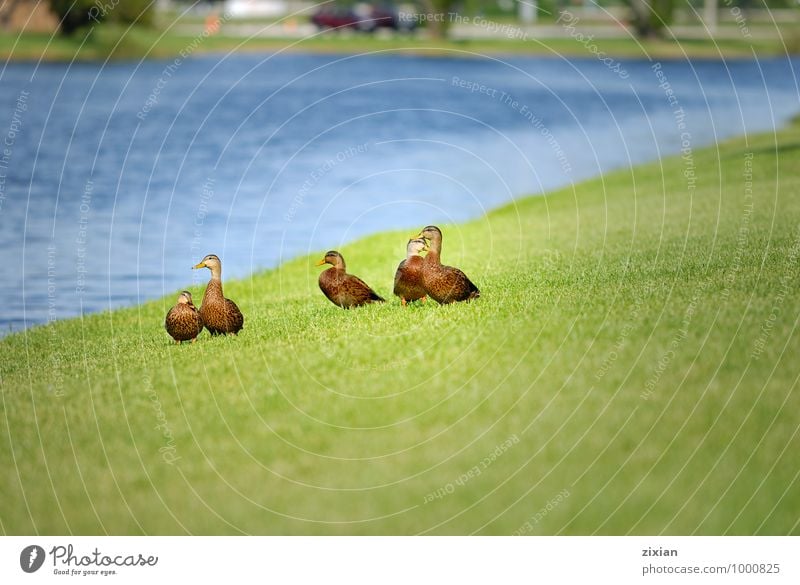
<point>398,276</point>
<point>451,284</point>
<point>361,290</point>
<point>234,316</point>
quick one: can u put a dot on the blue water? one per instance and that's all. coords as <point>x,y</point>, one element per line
<point>108,197</point>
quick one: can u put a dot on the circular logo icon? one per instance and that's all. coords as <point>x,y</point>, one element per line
<point>31,558</point>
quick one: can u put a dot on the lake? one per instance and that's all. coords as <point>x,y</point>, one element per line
<point>115,179</point>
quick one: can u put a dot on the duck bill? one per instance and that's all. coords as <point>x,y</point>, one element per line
<point>200,265</point>
<point>321,262</point>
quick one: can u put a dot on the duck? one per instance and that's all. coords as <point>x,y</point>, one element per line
<point>183,321</point>
<point>342,289</point>
<point>444,284</point>
<point>219,315</point>
<point>408,278</point>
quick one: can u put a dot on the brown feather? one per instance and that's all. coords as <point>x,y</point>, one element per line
<point>183,322</point>
<point>346,290</point>
<point>220,315</point>
<point>408,284</point>
<point>446,284</point>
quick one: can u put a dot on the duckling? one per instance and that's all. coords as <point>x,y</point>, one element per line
<point>220,315</point>
<point>408,278</point>
<point>183,321</point>
<point>341,288</point>
<point>444,284</point>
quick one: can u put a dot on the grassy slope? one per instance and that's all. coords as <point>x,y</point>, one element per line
<point>318,420</point>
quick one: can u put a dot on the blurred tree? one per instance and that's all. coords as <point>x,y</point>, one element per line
<point>73,14</point>
<point>438,15</point>
<point>6,11</point>
<point>130,11</point>
<point>649,17</point>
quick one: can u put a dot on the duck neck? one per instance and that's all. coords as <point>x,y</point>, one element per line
<point>436,245</point>
<point>340,264</point>
<point>213,290</point>
<point>433,257</point>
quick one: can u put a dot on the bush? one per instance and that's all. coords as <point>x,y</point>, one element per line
<point>74,14</point>
<point>650,16</point>
<point>130,11</point>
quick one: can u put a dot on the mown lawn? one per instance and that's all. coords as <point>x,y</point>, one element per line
<point>631,367</point>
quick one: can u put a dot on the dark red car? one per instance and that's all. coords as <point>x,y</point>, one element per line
<point>362,17</point>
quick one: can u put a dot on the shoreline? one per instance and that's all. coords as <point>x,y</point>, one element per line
<point>521,199</point>
<point>793,120</point>
<point>141,45</point>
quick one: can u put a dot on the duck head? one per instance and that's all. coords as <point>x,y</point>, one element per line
<point>415,247</point>
<point>334,259</point>
<point>213,263</point>
<point>185,298</point>
<point>433,236</point>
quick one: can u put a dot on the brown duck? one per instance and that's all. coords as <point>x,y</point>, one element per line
<point>341,288</point>
<point>183,321</point>
<point>408,278</point>
<point>219,315</point>
<point>444,284</point>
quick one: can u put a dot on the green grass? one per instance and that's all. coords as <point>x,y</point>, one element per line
<point>636,340</point>
<point>116,42</point>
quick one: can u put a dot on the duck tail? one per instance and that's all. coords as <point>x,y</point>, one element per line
<point>474,293</point>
